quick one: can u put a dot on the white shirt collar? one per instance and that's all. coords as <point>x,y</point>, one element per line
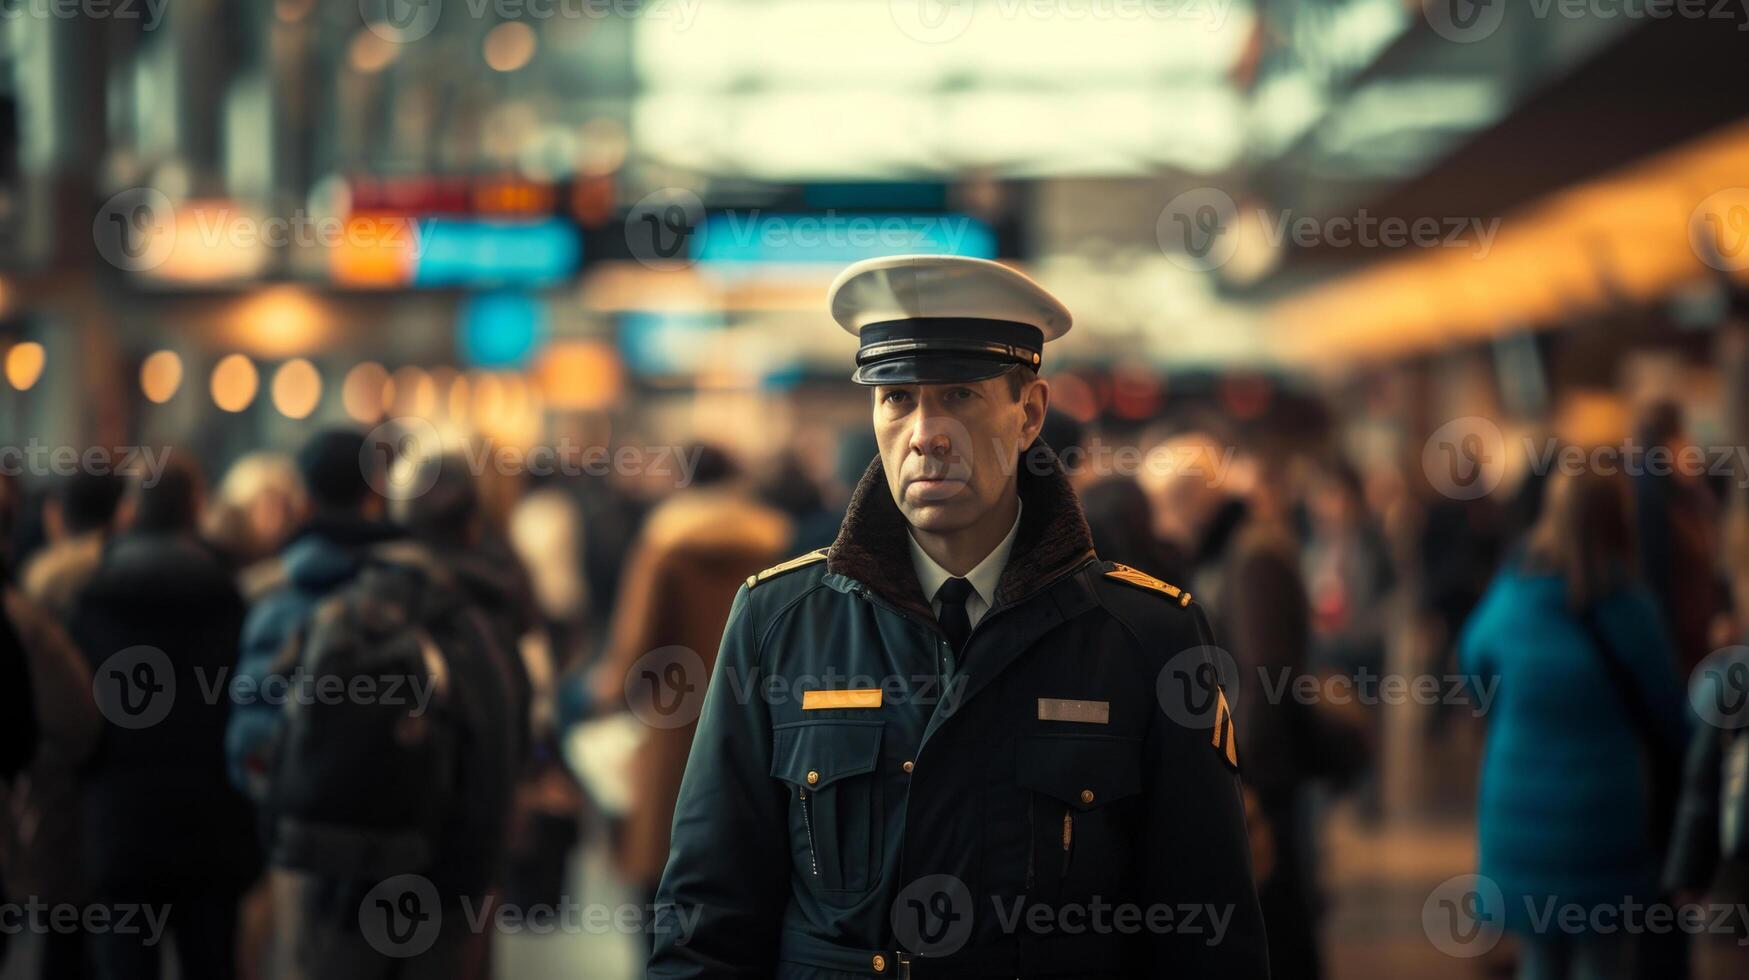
<point>983,577</point>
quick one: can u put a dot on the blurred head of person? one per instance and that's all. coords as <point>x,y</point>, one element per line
<point>258,506</point>
<point>83,502</point>
<point>1190,477</point>
<point>1064,434</point>
<point>339,478</point>
<point>1335,498</point>
<point>855,448</point>
<point>788,487</point>
<point>1585,534</point>
<point>447,513</point>
<point>1661,425</point>
<point>169,504</point>
<point>952,451</point>
<point>714,466</point>
<point>1122,521</point>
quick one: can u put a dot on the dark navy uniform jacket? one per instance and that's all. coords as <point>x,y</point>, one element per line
<point>861,802</point>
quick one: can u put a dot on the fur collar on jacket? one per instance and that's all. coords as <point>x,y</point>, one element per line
<point>1053,537</point>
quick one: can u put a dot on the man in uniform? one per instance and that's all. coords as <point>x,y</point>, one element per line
<point>953,744</point>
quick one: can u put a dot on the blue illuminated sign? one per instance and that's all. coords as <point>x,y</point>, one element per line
<point>471,252</point>
<point>837,237</point>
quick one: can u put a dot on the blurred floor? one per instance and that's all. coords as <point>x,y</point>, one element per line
<point>581,954</point>
<point>1377,880</point>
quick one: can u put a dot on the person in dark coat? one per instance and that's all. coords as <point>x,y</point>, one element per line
<point>937,747</point>
<point>41,811</point>
<point>164,828</point>
<point>1678,523</point>
<point>345,522</point>
<point>1245,566</point>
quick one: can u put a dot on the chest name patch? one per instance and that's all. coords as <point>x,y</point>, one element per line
<point>869,697</point>
<point>1084,712</point>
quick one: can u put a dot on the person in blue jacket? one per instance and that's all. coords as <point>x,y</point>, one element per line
<point>346,520</point>
<point>1564,637</point>
<point>953,743</point>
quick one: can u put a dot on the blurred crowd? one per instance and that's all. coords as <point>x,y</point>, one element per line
<point>166,643</point>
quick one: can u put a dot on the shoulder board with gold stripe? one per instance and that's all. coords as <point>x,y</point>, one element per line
<point>1124,573</point>
<point>788,566</point>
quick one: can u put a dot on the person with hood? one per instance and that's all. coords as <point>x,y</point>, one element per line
<point>164,830</point>
<point>346,520</point>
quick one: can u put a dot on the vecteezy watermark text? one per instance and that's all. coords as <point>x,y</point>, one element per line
<point>38,459</point>
<point>1465,458</point>
<point>33,915</point>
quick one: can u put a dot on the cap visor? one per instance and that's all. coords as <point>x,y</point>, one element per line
<point>931,370</point>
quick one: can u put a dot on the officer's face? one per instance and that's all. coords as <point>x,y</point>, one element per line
<point>951,450</point>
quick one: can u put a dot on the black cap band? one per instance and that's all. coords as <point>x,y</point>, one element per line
<point>955,338</point>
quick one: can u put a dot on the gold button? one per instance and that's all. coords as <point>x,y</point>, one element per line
<point>1087,796</point>
<point>879,963</point>
<point>813,777</point>
<point>909,765</point>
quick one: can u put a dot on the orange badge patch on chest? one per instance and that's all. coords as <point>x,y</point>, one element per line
<point>861,698</point>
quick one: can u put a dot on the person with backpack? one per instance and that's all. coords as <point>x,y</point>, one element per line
<point>386,809</point>
<point>1588,705</point>
<point>345,521</point>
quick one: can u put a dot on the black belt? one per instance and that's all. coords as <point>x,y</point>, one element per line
<point>1068,954</point>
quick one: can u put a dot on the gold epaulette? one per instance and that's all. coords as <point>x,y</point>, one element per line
<point>1124,573</point>
<point>818,554</point>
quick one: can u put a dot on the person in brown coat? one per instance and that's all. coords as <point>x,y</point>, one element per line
<point>695,550</point>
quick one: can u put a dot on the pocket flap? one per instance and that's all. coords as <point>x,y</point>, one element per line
<point>1084,771</point>
<point>815,754</point>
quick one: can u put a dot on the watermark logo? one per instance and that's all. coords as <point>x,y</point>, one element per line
<point>933,21</point>
<point>1192,229</point>
<point>135,688</point>
<point>1463,458</point>
<point>135,230</point>
<point>1464,916</point>
<point>932,916</point>
<point>665,688</point>
<point>1719,690</point>
<point>401,917</point>
<point>392,454</point>
<point>1464,21</point>
<point>1718,229</point>
<point>665,228</point>
<point>1190,685</point>
<point>401,21</point>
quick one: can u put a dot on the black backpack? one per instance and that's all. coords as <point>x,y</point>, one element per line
<point>366,757</point>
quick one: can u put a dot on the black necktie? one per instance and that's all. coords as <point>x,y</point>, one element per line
<point>953,618</point>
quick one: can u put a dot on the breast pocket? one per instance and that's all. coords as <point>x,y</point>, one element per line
<point>1084,799</point>
<point>836,817</point>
